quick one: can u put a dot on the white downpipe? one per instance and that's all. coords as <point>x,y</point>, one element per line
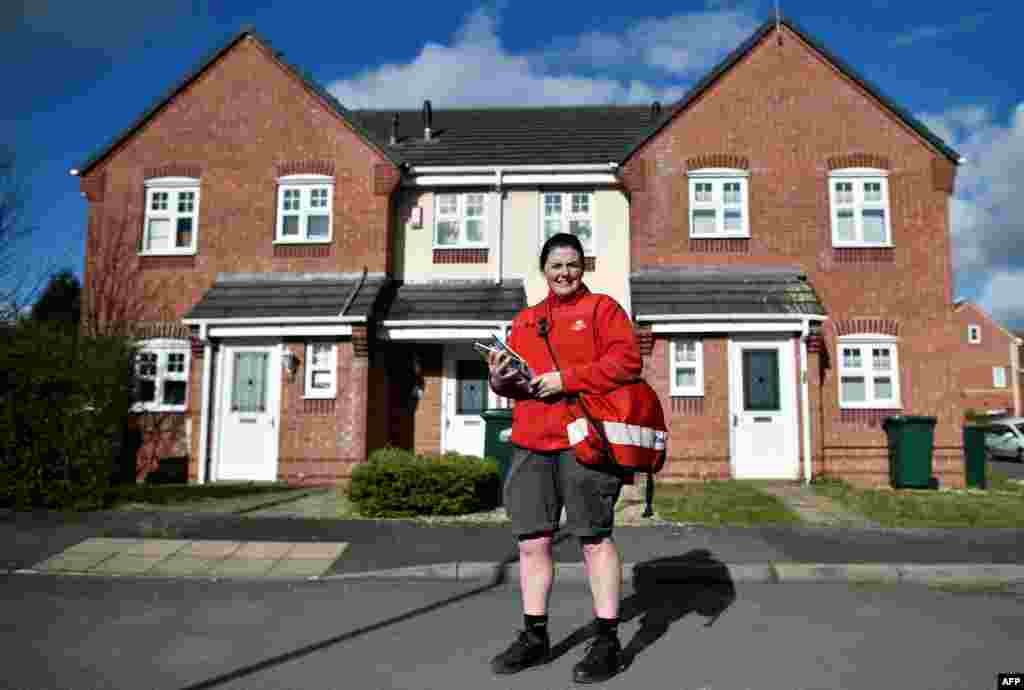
<point>501,226</point>
<point>1015,373</point>
<point>204,412</point>
<point>805,403</point>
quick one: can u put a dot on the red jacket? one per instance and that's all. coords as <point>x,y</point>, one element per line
<point>596,348</point>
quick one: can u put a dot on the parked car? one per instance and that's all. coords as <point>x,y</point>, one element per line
<point>1005,438</point>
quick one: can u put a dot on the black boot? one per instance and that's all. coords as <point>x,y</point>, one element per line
<point>531,648</point>
<point>602,661</point>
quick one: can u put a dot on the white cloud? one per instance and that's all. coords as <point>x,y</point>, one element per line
<point>987,212</point>
<point>476,69</point>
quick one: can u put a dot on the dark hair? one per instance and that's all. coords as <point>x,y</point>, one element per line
<point>561,239</point>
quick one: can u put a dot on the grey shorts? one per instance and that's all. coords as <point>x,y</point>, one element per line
<point>539,484</point>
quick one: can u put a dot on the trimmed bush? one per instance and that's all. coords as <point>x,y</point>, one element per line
<point>64,400</point>
<point>398,483</point>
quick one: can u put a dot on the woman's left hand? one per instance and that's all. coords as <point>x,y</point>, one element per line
<point>547,384</point>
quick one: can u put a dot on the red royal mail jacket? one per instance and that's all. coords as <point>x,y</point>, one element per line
<point>596,347</point>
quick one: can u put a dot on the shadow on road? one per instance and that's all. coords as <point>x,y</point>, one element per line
<point>497,581</point>
<point>665,590</point>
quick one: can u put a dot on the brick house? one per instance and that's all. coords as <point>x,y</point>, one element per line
<point>989,381</point>
<point>780,236</point>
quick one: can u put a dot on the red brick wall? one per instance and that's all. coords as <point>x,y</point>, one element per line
<point>793,117</point>
<point>242,123</point>
<point>239,125</point>
<point>975,382</point>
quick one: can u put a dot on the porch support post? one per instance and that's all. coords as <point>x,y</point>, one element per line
<point>805,403</point>
<point>359,402</point>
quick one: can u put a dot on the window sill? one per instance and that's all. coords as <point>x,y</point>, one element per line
<point>722,236</point>
<point>182,252</point>
<point>148,409</point>
<point>292,242</point>
<point>889,245</point>
<point>332,396</point>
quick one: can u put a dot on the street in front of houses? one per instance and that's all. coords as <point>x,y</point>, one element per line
<point>92,632</point>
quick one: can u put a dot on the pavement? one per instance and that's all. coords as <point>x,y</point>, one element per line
<point>293,541</point>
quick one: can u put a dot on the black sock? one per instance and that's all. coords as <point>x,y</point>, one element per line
<point>607,627</point>
<point>537,624</point>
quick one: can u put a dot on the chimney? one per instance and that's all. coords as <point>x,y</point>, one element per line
<point>428,117</point>
<point>394,129</point>
<point>655,110</point>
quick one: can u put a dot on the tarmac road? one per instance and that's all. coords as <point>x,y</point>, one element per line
<point>85,633</point>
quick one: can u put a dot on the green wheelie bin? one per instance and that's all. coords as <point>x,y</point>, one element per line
<point>974,455</point>
<point>911,441</point>
<point>497,438</point>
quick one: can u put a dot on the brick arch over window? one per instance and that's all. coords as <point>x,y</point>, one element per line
<point>174,170</point>
<point>858,160</point>
<point>306,167</point>
<point>718,160</point>
<point>856,326</point>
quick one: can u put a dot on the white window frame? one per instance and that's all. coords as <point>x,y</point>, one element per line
<point>567,216</point>
<point>717,178</point>
<point>460,217</point>
<point>866,343</point>
<point>332,367</point>
<point>163,348</point>
<point>974,334</point>
<point>171,189</point>
<point>304,185</point>
<point>999,377</point>
<point>697,390</point>
<point>858,177</point>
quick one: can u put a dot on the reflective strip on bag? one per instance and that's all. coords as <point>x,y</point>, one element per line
<point>622,434</point>
<point>577,431</point>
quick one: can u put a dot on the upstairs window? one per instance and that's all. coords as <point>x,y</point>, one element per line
<point>305,208</point>
<point>686,367</point>
<point>460,220</point>
<point>161,375</point>
<point>859,202</point>
<point>321,370</point>
<point>172,216</point>
<point>868,373</point>
<point>571,212</point>
<point>719,204</point>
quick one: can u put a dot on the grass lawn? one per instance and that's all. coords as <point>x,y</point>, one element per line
<point>1001,505</point>
<point>732,502</point>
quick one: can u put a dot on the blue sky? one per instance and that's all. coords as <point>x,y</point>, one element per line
<point>77,74</point>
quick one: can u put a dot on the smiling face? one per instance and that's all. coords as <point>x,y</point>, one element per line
<point>563,270</point>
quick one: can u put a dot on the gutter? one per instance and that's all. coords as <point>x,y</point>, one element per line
<point>787,316</point>
<point>470,169</point>
<point>444,323</point>
<point>274,320</point>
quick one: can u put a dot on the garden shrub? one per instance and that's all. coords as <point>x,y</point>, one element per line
<point>398,483</point>
<point>64,401</point>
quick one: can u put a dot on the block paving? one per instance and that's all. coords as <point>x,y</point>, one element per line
<point>195,558</point>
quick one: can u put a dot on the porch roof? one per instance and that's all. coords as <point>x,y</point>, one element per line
<point>723,290</point>
<point>270,295</point>
<point>462,300</point>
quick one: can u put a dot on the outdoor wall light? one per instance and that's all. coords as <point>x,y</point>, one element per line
<point>290,362</point>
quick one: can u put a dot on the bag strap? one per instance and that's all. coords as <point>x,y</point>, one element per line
<point>546,325</point>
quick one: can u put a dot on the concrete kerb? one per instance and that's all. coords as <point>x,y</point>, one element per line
<point>960,574</point>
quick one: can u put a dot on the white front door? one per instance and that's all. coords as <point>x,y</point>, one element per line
<point>762,402</point>
<point>250,391</point>
<point>467,394</point>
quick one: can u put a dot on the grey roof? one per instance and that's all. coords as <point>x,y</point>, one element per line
<point>240,297</point>
<point>457,301</point>
<point>723,290</point>
<point>511,136</point>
